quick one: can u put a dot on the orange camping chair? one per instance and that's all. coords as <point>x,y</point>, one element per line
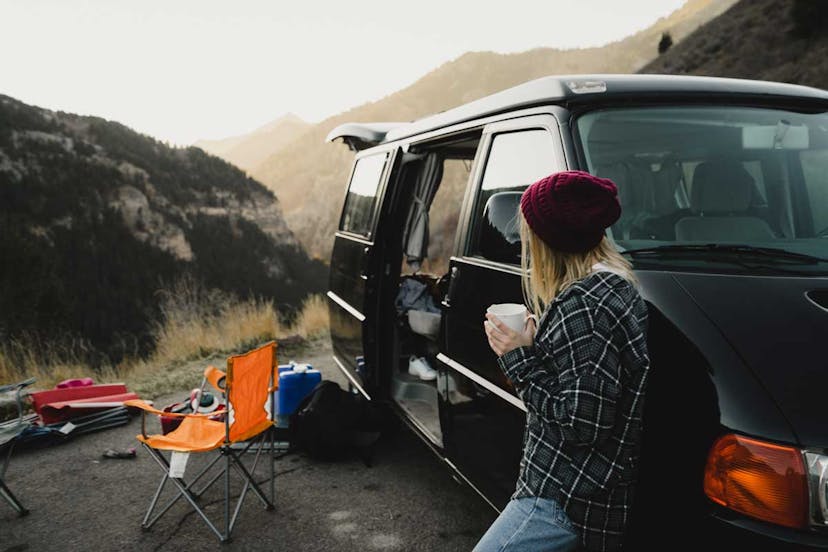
<point>247,387</point>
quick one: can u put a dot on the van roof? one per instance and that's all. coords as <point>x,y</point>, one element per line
<point>571,89</point>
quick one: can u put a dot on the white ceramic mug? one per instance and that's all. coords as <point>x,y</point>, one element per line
<point>511,314</point>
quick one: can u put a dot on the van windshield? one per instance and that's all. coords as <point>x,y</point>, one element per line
<point>743,188</point>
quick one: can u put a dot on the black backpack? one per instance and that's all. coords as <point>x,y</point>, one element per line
<point>331,422</point>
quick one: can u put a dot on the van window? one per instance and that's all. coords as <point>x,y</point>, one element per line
<point>693,177</point>
<point>357,215</point>
<point>516,159</point>
<point>444,215</point>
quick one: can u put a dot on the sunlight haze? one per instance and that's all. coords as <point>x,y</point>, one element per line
<point>182,70</point>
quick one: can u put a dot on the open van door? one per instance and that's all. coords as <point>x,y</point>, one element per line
<point>484,421</point>
<point>353,278</point>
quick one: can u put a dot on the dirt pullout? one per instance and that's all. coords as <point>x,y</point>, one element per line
<point>79,500</point>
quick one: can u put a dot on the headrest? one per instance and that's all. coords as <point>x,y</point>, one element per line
<point>721,187</point>
<point>500,231</point>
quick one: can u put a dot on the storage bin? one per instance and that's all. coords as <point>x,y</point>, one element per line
<point>294,385</point>
<point>424,322</point>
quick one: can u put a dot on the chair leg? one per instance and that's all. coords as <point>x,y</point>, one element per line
<point>146,524</point>
<point>185,490</point>
<point>9,497</point>
<point>5,492</point>
<point>227,528</point>
<point>272,433</point>
<point>247,475</point>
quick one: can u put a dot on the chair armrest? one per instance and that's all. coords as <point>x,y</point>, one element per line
<point>146,407</point>
<point>216,377</point>
<point>16,386</point>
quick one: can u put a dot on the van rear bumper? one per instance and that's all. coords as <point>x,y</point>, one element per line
<point>763,536</point>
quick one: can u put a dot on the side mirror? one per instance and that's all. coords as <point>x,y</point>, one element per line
<point>500,228</point>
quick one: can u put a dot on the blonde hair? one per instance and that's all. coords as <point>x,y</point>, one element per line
<point>547,272</point>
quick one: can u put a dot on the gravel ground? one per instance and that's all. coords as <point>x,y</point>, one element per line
<point>407,500</point>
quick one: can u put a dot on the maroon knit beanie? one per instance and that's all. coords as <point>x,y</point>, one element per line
<point>570,210</point>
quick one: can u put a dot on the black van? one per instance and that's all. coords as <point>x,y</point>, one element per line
<point>724,189</point>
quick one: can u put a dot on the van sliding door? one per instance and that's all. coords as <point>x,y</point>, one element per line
<point>485,418</point>
<point>353,279</point>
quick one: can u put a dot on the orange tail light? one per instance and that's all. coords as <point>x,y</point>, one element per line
<point>759,479</point>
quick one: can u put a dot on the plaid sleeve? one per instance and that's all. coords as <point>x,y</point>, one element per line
<point>576,385</point>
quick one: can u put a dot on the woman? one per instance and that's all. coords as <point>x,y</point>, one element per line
<point>582,374</point>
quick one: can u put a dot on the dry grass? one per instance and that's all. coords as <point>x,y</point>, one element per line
<point>48,363</point>
<point>197,322</point>
<point>198,326</point>
<point>313,319</point>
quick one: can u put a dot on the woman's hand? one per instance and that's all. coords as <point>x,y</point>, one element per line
<point>503,339</point>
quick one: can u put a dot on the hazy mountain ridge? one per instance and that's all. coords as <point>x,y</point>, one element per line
<point>249,150</point>
<point>95,218</point>
<point>757,39</point>
<point>309,176</point>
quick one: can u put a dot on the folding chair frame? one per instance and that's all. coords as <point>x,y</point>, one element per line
<point>232,459</point>
<point>5,492</point>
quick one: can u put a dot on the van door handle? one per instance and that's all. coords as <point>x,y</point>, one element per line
<point>455,273</point>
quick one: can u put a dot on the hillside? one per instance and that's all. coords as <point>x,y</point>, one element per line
<point>757,39</point>
<point>309,172</point>
<point>95,218</point>
<point>249,150</point>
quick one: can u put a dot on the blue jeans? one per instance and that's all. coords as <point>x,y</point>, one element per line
<point>530,524</point>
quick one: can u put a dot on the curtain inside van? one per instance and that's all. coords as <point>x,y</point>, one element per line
<point>415,241</point>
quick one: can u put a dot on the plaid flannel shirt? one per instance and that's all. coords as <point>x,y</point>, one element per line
<point>583,384</point>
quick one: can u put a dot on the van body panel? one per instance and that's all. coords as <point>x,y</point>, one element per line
<point>359,136</point>
<point>484,431</point>
<point>780,334</point>
<point>346,300</point>
<point>556,90</point>
<point>352,296</point>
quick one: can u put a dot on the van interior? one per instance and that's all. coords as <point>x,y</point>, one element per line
<point>426,211</point>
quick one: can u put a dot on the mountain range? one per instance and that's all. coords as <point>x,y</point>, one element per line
<point>776,40</point>
<point>248,151</point>
<point>96,218</point>
<point>310,176</point>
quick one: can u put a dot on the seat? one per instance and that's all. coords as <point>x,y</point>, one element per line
<point>719,200</point>
<point>500,228</point>
<point>635,184</point>
<point>247,388</point>
<point>10,430</point>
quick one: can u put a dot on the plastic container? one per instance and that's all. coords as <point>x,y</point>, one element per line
<point>424,322</point>
<point>294,385</point>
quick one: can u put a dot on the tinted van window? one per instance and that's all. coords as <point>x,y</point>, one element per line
<point>714,175</point>
<point>357,215</point>
<point>516,159</point>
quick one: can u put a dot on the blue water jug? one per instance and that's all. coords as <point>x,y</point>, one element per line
<point>294,385</point>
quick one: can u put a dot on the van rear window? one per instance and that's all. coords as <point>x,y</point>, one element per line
<point>358,212</point>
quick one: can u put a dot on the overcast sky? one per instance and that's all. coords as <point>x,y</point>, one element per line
<point>181,70</point>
